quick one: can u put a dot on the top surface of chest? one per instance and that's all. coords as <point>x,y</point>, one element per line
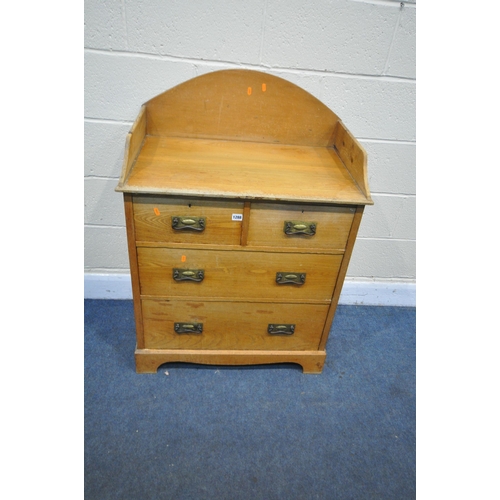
<point>246,170</point>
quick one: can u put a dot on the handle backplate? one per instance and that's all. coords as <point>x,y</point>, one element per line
<point>188,274</point>
<point>275,329</point>
<point>283,278</point>
<point>188,223</point>
<point>292,227</point>
<point>195,328</point>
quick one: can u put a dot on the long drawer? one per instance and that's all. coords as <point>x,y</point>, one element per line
<point>237,274</point>
<point>227,325</point>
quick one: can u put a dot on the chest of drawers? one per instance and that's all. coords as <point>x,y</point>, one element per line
<point>243,196</point>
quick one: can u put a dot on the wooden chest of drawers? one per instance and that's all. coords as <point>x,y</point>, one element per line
<point>243,196</point>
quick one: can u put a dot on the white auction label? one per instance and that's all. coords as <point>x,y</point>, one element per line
<point>238,217</point>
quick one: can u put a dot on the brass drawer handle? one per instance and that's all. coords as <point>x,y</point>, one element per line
<point>281,329</point>
<point>298,227</point>
<point>295,278</point>
<point>188,274</point>
<point>189,223</point>
<point>196,328</point>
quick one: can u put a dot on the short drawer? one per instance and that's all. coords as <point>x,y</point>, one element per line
<point>187,220</point>
<point>245,274</point>
<point>228,325</point>
<point>299,226</point>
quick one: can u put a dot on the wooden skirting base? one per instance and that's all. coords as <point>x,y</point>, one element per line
<point>149,360</point>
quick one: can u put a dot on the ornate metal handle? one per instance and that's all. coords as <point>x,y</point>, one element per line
<point>281,329</point>
<point>189,223</point>
<point>188,274</point>
<point>295,278</point>
<point>196,328</point>
<point>298,227</point>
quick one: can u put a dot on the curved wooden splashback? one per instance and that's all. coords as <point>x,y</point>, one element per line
<point>241,105</point>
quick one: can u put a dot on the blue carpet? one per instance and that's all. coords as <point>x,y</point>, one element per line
<point>266,432</point>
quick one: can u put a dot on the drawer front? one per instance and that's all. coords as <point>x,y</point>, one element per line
<point>227,325</point>
<point>227,274</point>
<point>299,226</point>
<point>176,220</point>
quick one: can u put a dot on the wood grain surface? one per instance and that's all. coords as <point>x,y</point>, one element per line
<point>230,169</point>
<point>241,105</point>
<point>247,275</point>
<point>228,325</point>
<point>153,220</point>
<point>267,221</point>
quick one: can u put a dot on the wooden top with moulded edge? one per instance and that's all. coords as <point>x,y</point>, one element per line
<point>244,134</point>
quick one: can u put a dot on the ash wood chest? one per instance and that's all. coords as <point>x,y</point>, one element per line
<point>243,196</point>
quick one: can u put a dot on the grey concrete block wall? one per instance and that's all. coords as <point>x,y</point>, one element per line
<point>356,56</point>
